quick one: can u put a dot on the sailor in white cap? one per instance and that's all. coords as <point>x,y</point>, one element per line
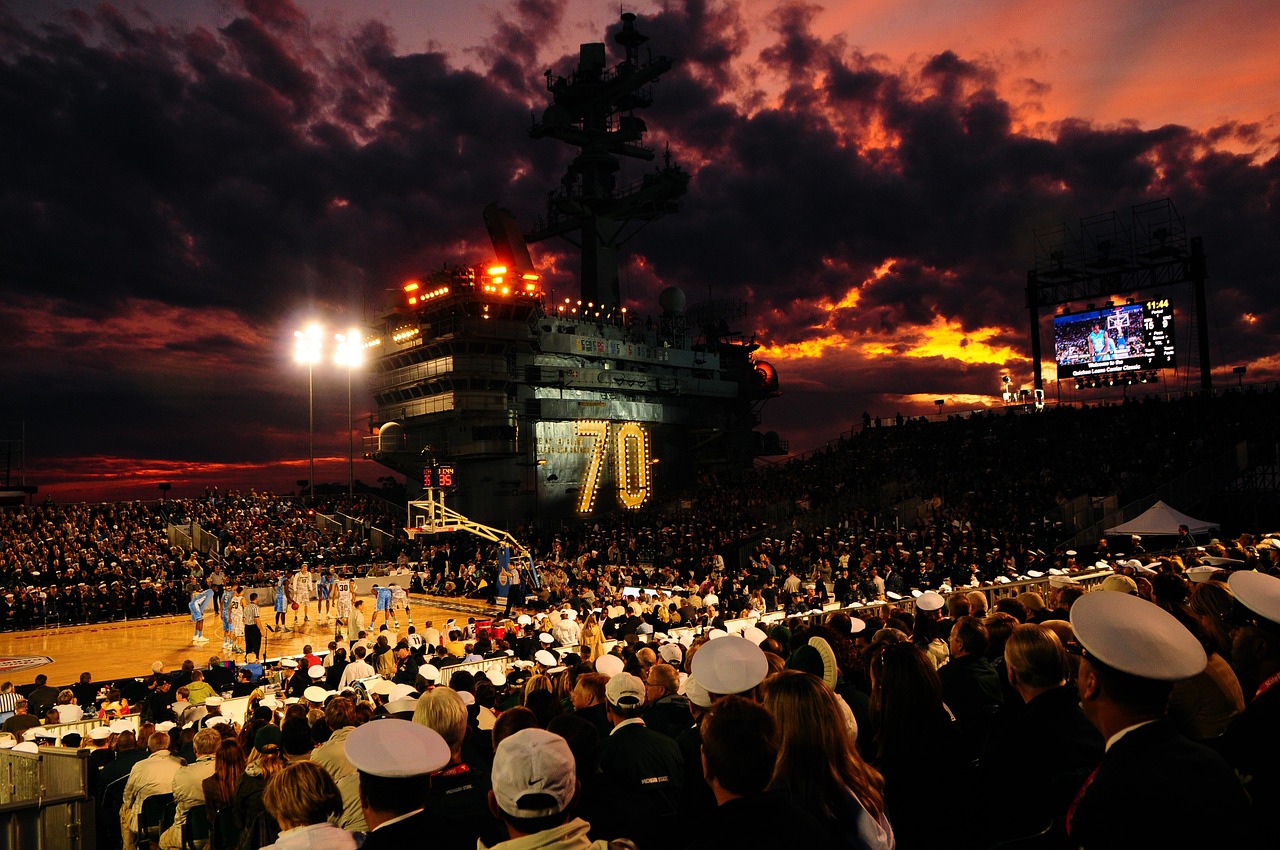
<point>1251,743</point>
<point>395,759</point>
<point>1154,788</point>
<point>729,666</point>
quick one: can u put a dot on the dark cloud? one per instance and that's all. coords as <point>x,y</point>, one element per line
<point>243,172</point>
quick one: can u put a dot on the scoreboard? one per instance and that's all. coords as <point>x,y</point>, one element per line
<point>1116,339</point>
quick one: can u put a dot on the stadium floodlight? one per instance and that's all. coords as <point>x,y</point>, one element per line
<point>350,353</point>
<point>308,349</point>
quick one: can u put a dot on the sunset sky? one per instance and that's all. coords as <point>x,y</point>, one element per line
<point>185,183</point>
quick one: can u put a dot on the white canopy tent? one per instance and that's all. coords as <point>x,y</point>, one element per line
<point>1161,519</point>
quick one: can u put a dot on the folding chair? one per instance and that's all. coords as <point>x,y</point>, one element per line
<point>151,820</point>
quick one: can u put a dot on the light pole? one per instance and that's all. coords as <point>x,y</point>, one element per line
<point>350,353</point>
<point>307,349</point>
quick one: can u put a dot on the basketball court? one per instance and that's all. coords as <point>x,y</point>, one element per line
<point>116,650</point>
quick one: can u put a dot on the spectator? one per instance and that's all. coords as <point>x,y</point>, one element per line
<point>458,790</point>
<point>188,785</point>
<point>666,710</point>
<point>302,798</point>
<point>819,767</point>
<point>41,697</point>
<point>66,707</point>
<point>645,765</point>
<point>220,786</point>
<point>21,720</point>
<point>264,762</point>
<point>152,775</point>
<point>1037,665</point>
<point>740,748</point>
<point>395,760</point>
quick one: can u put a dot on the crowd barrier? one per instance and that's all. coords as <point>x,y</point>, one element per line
<point>44,800</point>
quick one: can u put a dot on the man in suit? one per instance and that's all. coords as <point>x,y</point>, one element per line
<point>1154,788</point>
<point>394,760</point>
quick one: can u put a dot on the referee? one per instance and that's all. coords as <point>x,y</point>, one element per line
<point>253,627</point>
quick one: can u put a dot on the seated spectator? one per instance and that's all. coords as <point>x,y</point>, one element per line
<point>153,775</point>
<point>199,690</point>
<point>188,785</point>
<point>21,720</point>
<point>68,710</point>
<point>646,766</point>
<point>220,786</point>
<point>302,798</point>
<point>264,762</point>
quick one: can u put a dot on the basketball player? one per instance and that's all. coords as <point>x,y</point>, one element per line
<point>198,601</point>
<point>324,588</point>
<point>235,602</point>
<point>382,602</point>
<point>281,600</point>
<point>400,599</point>
<point>343,595</point>
<point>300,588</point>
<point>224,597</point>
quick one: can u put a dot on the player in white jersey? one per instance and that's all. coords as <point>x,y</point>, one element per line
<point>400,599</point>
<point>236,607</point>
<point>301,586</point>
<point>344,595</point>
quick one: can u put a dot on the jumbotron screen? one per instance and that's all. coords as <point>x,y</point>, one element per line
<point>1123,338</point>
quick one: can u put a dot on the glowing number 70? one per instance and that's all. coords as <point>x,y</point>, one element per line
<point>631,456</point>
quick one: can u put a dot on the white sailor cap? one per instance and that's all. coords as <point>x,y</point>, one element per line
<point>1136,637</point>
<point>1201,573</point>
<point>404,705</point>
<point>123,725</point>
<point>401,691</point>
<point>213,701</point>
<point>1035,573</point>
<point>729,666</point>
<point>609,665</point>
<point>269,702</point>
<point>716,634</point>
<point>495,677</point>
<point>1258,592</point>
<point>379,686</point>
<point>316,671</point>
<point>545,657</point>
<point>288,663</point>
<point>165,726</point>
<point>430,672</point>
<point>930,600</point>
<point>315,694</point>
<point>396,749</point>
<point>7,740</point>
<point>1222,562</point>
<point>1071,553</point>
<point>546,638</point>
<point>755,634</point>
<point>26,747</point>
<point>1062,581</point>
<point>697,694</point>
<point>100,733</point>
<point>524,620</point>
<point>857,625</point>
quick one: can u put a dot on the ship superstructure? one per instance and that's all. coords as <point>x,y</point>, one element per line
<point>543,406</point>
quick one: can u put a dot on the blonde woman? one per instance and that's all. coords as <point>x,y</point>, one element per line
<point>265,761</point>
<point>592,636</point>
<point>303,798</point>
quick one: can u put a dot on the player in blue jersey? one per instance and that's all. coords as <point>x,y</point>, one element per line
<point>324,589</point>
<point>382,602</point>
<point>225,602</point>
<point>282,601</point>
<point>198,601</point>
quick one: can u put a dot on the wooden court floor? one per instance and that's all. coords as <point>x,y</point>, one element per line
<point>117,650</point>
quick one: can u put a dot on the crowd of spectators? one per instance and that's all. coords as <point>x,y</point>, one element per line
<point>845,729</point>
